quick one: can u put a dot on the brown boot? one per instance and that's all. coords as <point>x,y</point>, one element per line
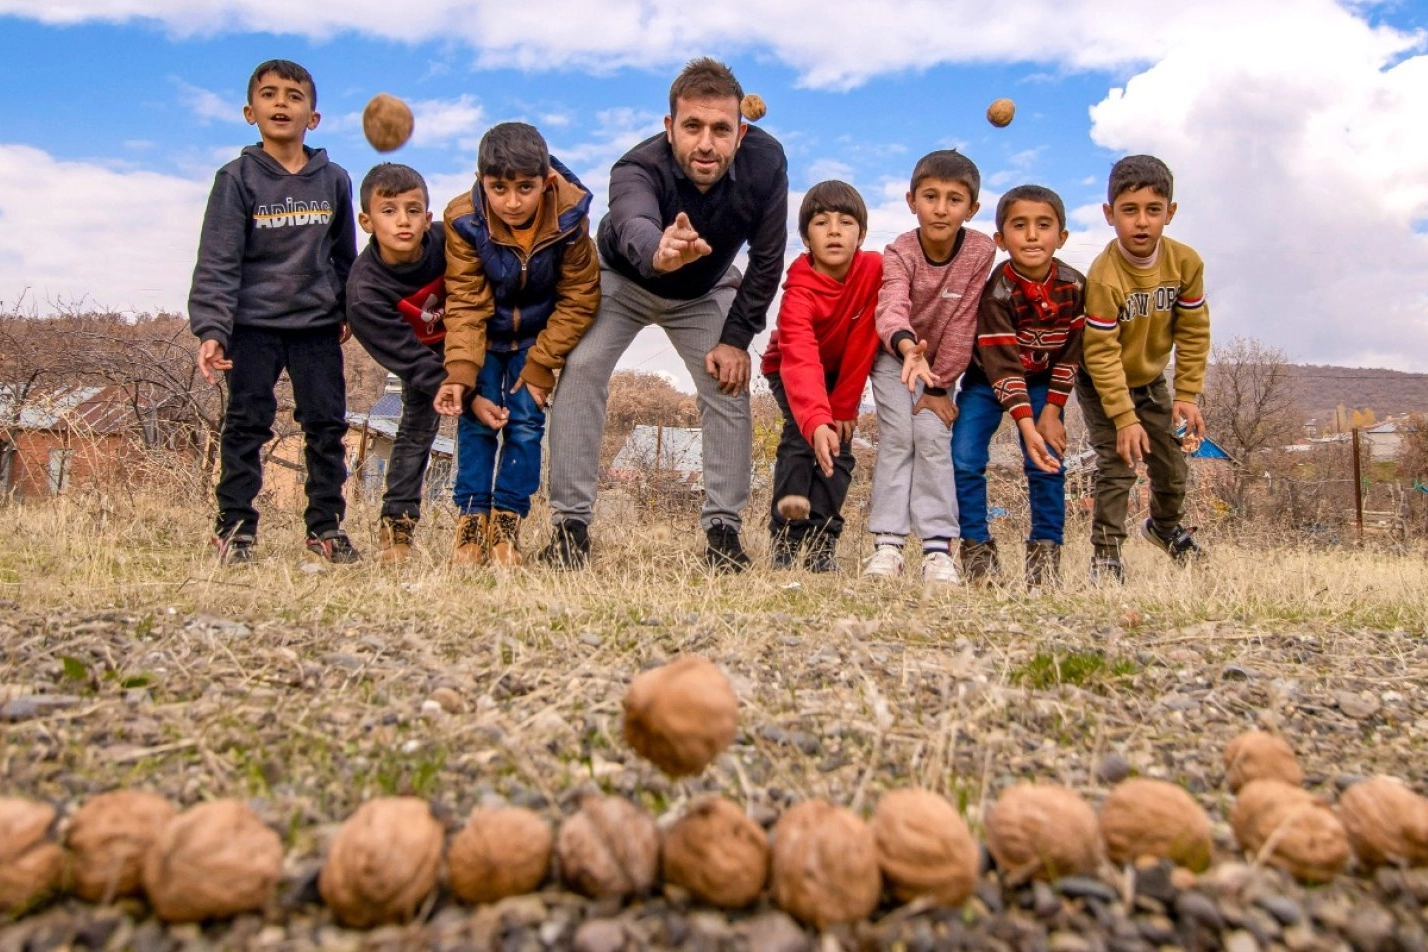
<point>394,539</point>
<point>1043,564</point>
<point>505,539</point>
<point>472,539</point>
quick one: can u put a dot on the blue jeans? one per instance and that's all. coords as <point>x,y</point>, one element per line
<point>516,476</point>
<point>979,415</point>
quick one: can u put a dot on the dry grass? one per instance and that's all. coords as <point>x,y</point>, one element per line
<point>314,691</point>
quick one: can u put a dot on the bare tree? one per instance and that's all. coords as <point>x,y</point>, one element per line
<point>1249,398</point>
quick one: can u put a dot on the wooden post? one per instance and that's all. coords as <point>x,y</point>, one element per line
<point>1358,489</point>
<point>659,445</point>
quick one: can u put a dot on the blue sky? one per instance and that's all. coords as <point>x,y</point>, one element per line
<point>1297,140</point>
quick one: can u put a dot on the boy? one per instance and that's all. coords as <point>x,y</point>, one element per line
<point>1145,296</point>
<point>277,244</point>
<point>523,284</point>
<point>927,320</point>
<point>816,364</point>
<point>1029,327</point>
<point>395,297</point>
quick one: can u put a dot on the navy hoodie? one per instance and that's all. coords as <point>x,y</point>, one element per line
<point>396,310</point>
<point>276,247</point>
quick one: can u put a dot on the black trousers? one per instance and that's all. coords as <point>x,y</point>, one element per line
<point>313,360</point>
<point>411,450</point>
<point>796,473</point>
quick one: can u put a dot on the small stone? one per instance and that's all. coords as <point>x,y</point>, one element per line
<point>29,706</point>
<point>1067,942</point>
<point>1284,909</point>
<point>1084,887</point>
<point>1112,769</point>
<point>431,708</point>
<point>591,640</point>
<point>775,932</point>
<point>1370,928</point>
<point>1358,706</point>
<point>449,700</point>
<point>1241,941</point>
<point>1201,908</point>
<point>599,935</point>
<point>1157,929</point>
<point>1300,938</point>
<point>1043,901</point>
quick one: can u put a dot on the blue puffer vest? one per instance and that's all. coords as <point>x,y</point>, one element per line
<point>524,289</point>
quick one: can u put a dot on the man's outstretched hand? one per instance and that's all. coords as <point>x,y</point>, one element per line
<point>730,366</point>
<point>678,246</point>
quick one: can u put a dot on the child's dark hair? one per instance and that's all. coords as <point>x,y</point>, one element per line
<point>1140,171</point>
<point>390,178</point>
<point>513,150</point>
<point>286,69</point>
<point>832,196</point>
<point>948,165</point>
<point>1031,193</point>
<point>704,78</point>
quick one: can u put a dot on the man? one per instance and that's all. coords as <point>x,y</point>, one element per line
<point>682,204</point>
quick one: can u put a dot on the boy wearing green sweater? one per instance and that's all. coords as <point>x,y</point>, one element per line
<point>1145,299</point>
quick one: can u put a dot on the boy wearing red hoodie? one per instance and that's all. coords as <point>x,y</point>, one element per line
<point>817,364</point>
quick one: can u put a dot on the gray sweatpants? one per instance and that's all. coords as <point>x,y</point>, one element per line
<point>577,417</point>
<point>913,487</point>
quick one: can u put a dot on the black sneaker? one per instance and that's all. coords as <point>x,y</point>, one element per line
<point>783,549</point>
<point>980,562</point>
<point>1106,566</point>
<point>332,546</point>
<point>1180,545</point>
<point>235,549</point>
<point>725,553</point>
<point>568,548</point>
<point>822,554</point>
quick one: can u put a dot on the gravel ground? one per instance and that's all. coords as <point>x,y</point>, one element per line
<point>306,719</point>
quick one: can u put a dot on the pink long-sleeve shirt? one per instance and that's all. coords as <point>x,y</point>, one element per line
<point>935,302</point>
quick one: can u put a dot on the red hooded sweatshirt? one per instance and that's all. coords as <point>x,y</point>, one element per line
<point>825,330</point>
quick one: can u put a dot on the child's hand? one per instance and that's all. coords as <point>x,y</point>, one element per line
<point>825,447</point>
<point>211,361</point>
<point>915,367</point>
<point>940,404</point>
<point>1036,449</point>
<point>1190,413</point>
<point>845,430</point>
<point>678,246</point>
<point>1051,429</point>
<point>539,394</point>
<point>1132,444</point>
<point>344,335</point>
<point>488,413</point>
<point>448,399</point>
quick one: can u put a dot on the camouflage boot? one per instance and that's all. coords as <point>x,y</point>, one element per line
<point>505,539</point>
<point>394,539</point>
<point>472,539</point>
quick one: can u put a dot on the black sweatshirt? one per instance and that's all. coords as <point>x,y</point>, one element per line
<point>395,311</point>
<point>749,204</point>
<point>276,247</point>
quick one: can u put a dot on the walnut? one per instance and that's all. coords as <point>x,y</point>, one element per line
<point>382,863</point>
<point>1042,831</point>
<point>107,840</point>
<point>609,848</point>
<point>500,852</point>
<point>212,861</point>
<point>825,864</point>
<point>680,716</point>
<point>925,848</point>
<point>387,122</point>
<point>1145,817</point>
<point>717,853</point>
<point>753,107</point>
<point>1387,823</point>
<point>1286,826</point>
<point>1000,112</point>
<point>31,865</point>
<point>1255,755</point>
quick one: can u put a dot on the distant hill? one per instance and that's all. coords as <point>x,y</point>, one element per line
<point>1319,388</point>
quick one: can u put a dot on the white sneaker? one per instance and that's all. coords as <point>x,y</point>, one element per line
<point>886,561</point>
<point>941,568</point>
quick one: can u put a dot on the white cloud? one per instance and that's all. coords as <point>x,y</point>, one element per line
<point>206,106</point>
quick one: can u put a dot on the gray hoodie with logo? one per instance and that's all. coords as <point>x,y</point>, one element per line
<point>276,247</point>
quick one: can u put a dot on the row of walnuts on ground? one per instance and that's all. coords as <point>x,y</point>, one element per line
<point>823,864</point>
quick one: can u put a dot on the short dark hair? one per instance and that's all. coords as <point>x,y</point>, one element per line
<point>390,178</point>
<point>286,69</point>
<point>949,165</point>
<point>1031,193</point>
<point>704,78</point>
<point>512,150</point>
<point>1140,171</point>
<point>832,196</point>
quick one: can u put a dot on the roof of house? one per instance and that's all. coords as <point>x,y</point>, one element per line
<point>387,427</point>
<point>668,449</point>
<point>85,408</point>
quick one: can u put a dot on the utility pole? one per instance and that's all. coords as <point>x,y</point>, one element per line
<point>1358,490</point>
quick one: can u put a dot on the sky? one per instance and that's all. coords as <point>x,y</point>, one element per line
<point>1295,128</point>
